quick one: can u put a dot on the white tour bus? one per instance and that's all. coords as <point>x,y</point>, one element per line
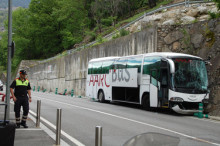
<point>164,80</point>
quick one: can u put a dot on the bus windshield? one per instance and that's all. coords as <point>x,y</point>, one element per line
<point>190,74</point>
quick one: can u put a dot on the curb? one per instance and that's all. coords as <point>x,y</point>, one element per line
<point>214,118</point>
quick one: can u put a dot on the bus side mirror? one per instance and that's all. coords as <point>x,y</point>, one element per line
<point>209,58</point>
<point>208,63</point>
<point>172,66</point>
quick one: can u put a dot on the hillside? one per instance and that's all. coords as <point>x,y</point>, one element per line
<point>4,7</point>
<point>49,27</point>
<point>15,3</point>
<point>3,17</point>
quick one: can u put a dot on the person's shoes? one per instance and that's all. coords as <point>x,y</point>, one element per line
<point>17,126</point>
<point>24,125</point>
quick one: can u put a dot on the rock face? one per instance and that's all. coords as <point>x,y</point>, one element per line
<point>202,10</point>
<point>169,22</point>
<point>187,19</point>
<point>177,16</point>
<point>197,40</point>
<point>192,12</point>
<point>200,39</point>
<point>172,37</point>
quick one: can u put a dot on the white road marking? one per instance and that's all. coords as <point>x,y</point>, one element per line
<point>135,121</point>
<point>49,132</point>
<point>75,141</point>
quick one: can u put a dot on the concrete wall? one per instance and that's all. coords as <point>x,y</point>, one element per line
<point>69,72</point>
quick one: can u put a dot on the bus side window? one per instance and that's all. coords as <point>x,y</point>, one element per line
<point>97,68</point>
<point>90,68</point>
<point>135,62</point>
<point>106,66</point>
<point>152,63</point>
<point>153,74</point>
<point>121,63</point>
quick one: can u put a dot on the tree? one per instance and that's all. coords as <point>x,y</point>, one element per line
<point>20,36</point>
<point>44,30</point>
<point>3,49</point>
<point>218,3</point>
<point>114,7</point>
<point>152,3</point>
<point>71,21</point>
<point>97,9</point>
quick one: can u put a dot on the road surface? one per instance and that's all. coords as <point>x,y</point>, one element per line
<point>121,122</point>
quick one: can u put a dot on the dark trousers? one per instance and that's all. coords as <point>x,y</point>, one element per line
<point>24,102</point>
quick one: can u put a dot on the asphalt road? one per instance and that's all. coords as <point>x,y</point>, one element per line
<point>121,122</point>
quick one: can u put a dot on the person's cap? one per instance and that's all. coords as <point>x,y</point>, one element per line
<point>23,72</point>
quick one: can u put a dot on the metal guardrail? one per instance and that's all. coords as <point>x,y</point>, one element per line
<point>186,3</point>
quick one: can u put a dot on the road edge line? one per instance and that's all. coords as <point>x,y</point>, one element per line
<point>51,133</point>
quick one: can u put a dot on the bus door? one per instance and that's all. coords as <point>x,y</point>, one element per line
<point>164,84</point>
<point>153,88</point>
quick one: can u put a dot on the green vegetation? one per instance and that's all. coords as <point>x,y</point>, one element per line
<point>214,15</point>
<point>187,41</point>
<point>122,32</point>
<point>210,36</point>
<point>49,27</point>
<point>218,3</point>
<point>195,21</point>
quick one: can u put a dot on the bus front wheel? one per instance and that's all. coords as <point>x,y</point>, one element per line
<point>101,96</point>
<point>146,102</point>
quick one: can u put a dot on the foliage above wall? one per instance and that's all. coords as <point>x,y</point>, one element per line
<point>49,27</point>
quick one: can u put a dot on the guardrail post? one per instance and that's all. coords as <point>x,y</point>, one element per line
<point>200,110</point>
<point>72,93</point>
<point>64,93</point>
<point>58,128</point>
<point>98,136</point>
<point>56,90</point>
<point>200,113</point>
<point>38,113</point>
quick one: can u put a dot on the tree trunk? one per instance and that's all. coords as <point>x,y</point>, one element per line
<point>152,3</point>
<point>129,7</point>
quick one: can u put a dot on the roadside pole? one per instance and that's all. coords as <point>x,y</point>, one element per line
<point>9,59</point>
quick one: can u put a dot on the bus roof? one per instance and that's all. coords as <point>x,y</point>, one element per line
<point>161,54</point>
<point>104,58</point>
<point>170,54</point>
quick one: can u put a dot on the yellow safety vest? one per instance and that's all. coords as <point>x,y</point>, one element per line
<point>20,83</point>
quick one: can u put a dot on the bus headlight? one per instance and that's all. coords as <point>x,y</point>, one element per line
<point>176,99</point>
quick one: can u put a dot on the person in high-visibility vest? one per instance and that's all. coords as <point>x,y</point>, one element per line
<point>21,97</point>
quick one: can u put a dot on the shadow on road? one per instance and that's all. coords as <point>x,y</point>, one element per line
<point>153,110</point>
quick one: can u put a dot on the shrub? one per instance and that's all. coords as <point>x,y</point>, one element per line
<point>123,32</point>
<point>214,15</point>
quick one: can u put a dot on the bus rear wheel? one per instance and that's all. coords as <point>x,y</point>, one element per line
<point>101,96</point>
<point>146,102</point>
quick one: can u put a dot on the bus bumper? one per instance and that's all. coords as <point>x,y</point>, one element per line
<point>177,109</point>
